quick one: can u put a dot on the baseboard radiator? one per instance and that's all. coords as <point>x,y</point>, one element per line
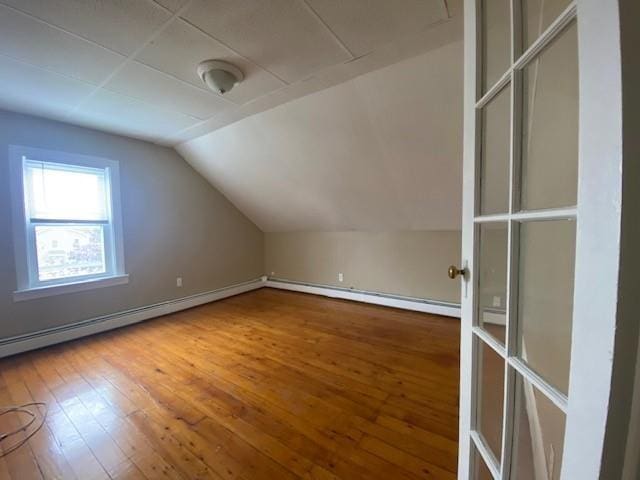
<point>51,336</point>
<point>406,303</point>
<point>23,343</point>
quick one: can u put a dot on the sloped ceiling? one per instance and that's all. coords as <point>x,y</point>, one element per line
<point>382,151</point>
<point>350,116</point>
<point>129,66</point>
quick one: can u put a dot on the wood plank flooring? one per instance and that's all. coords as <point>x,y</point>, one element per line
<point>264,385</point>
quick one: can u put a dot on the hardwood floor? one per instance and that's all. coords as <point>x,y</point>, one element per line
<point>265,385</point>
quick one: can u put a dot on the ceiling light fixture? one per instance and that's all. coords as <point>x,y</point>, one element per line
<point>219,76</point>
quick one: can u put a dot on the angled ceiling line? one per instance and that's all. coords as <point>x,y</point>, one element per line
<point>171,137</point>
<point>110,50</point>
<point>153,106</point>
<point>106,83</point>
<point>346,174</point>
<point>183,82</point>
<point>47,69</point>
<point>322,22</point>
<point>60,29</point>
<point>156,33</point>
<point>233,50</point>
<point>65,118</point>
<point>88,83</point>
<point>174,139</point>
<point>167,9</point>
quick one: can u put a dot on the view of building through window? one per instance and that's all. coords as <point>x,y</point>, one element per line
<point>69,251</point>
<point>68,213</point>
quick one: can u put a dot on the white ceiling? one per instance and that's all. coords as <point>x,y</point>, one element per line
<point>129,66</point>
<point>382,151</point>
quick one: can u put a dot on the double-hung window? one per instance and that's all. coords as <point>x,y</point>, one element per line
<point>66,221</point>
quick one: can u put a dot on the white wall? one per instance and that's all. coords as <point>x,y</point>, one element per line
<point>362,178</point>
<point>381,152</point>
<point>408,263</point>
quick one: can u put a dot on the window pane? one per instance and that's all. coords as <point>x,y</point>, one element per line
<point>490,397</point>
<point>538,15</point>
<point>492,280</point>
<point>550,126</point>
<point>539,435</point>
<point>69,251</point>
<point>496,40</point>
<point>56,191</point>
<point>545,311</point>
<point>480,469</point>
<point>495,153</point>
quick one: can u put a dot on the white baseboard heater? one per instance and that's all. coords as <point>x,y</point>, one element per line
<point>52,336</point>
<point>406,303</point>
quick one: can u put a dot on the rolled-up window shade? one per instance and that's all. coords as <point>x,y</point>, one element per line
<point>64,192</point>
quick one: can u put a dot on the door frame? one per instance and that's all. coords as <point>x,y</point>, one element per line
<point>605,327</point>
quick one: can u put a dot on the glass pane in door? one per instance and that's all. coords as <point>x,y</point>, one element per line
<point>550,125</point>
<point>538,15</point>
<point>545,310</point>
<point>480,469</point>
<point>525,162</point>
<point>494,161</point>
<point>496,40</point>
<point>492,279</point>
<point>490,397</point>
<point>538,435</point>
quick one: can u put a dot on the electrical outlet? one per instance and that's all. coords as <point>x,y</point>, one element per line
<point>340,277</point>
<point>497,301</point>
<point>178,281</point>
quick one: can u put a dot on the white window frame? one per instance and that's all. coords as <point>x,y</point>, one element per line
<point>29,286</point>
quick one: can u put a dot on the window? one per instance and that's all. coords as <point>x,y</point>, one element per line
<point>67,227</point>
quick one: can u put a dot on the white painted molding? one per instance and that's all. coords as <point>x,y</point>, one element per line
<point>376,298</point>
<point>28,282</point>
<point>52,336</point>
<point>496,317</point>
<point>64,288</point>
<point>541,472</point>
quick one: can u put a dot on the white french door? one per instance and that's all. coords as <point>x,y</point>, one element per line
<point>529,409</point>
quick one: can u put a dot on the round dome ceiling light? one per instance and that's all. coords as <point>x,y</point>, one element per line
<point>219,76</point>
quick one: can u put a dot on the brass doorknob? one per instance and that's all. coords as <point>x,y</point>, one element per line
<point>454,271</point>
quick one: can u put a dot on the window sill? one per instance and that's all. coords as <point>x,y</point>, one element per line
<point>61,289</point>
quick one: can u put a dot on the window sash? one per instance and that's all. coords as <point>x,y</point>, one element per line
<point>24,226</point>
<point>32,253</point>
<point>53,221</point>
<point>30,165</point>
<point>33,222</point>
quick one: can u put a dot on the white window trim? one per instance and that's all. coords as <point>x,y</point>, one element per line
<point>25,261</point>
<point>72,287</point>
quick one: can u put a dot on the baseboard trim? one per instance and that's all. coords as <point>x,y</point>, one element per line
<point>376,298</point>
<point>52,336</point>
